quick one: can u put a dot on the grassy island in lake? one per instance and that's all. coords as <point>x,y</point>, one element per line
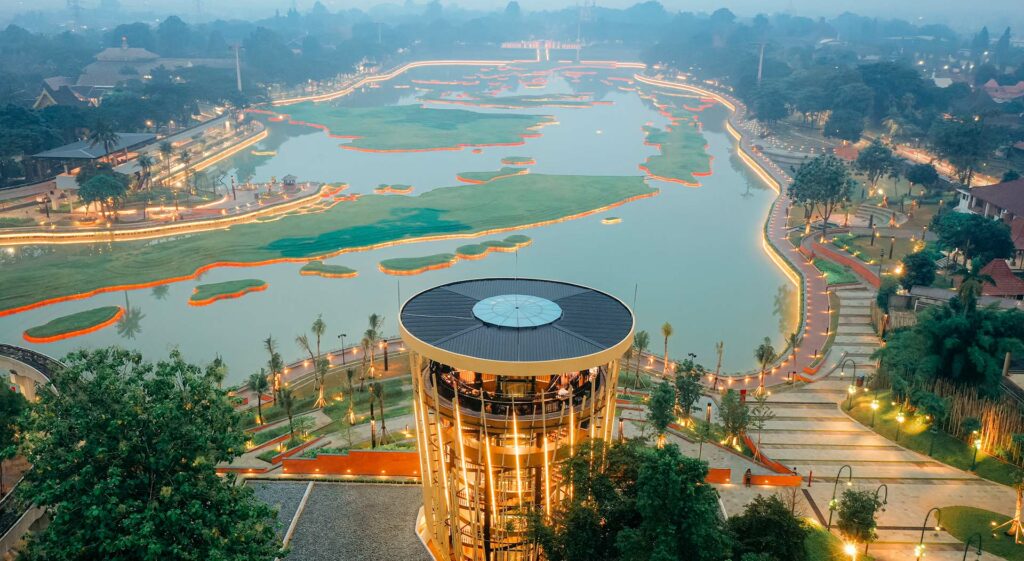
<point>683,154</point>
<point>209,293</point>
<point>75,324</point>
<point>321,269</point>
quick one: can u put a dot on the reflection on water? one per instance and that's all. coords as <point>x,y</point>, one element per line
<point>692,255</point>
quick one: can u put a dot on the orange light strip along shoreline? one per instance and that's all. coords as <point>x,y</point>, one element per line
<point>227,295</point>
<point>76,333</point>
<point>393,243</point>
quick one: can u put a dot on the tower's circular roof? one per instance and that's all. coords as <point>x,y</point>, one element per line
<point>516,326</point>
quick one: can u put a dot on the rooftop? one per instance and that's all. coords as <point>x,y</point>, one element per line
<point>1008,195</point>
<point>85,150</point>
<point>510,322</point>
<point>1006,283</point>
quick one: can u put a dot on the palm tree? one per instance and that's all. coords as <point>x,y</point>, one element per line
<point>103,133</point>
<point>319,363</point>
<point>377,392</point>
<point>765,355</point>
<point>719,350</point>
<point>185,157</point>
<point>276,365</point>
<point>288,403</point>
<point>160,291</point>
<point>350,374</point>
<point>166,151</point>
<point>970,289</point>
<point>666,331</point>
<point>258,385</point>
<point>367,349</point>
<point>793,340</point>
<point>373,336</point>
<point>146,163</point>
<point>640,342</point>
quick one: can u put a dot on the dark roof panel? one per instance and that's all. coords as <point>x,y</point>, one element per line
<point>590,322</point>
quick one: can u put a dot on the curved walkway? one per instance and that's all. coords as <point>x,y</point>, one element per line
<point>806,359</point>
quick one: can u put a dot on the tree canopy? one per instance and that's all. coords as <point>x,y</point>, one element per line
<point>124,456</point>
<point>767,526</point>
<point>822,184</point>
<point>980,239</point>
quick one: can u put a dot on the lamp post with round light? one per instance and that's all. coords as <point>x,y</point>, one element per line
<point>342,337</point>
<point>899,424</point>
<point>882,503</point>
<point>835,487</point>
<point>977,447</point>
<point>919,549</point>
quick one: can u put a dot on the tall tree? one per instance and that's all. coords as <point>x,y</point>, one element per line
<point>767,526</point>
<point>734,415</point>
<point>11,406</point>
<point>765,355</point>
<point>822,185</point>
<point>287,397</point>
<point>688,387</point>
<point>760,414</point>
<point>978,238</point>
<point>258,385</point>
<point>103,134</point>
<point>166,153</point>
<point>641,340</point>
<point>923,174</point>
<point>661,409</point>
<point>666,332</point>
<point>856,513</point>
<point>185,157</point>
<point>966,143</point>
<point>119,483</point>
<point>105,190</point>
<point>875,161</point>
<point>918,270</point>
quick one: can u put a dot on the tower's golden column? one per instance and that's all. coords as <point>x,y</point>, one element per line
<point>509,376</point>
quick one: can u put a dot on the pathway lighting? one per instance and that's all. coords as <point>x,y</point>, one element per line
<point>977,447</point>
<point>899,424</point>
<point>833,504</point>
<point>852,389</point>
<point>851,549</point>
<point>874,409</point>
<point>919,549</point>
<point>967,546</point>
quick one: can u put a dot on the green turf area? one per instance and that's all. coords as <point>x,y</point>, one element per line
<point>963,522</point>
<point>821,545</point>
<point>475,249</point>
<point>517,161</point>
<point>914,435</point>
<point>15,221</point>
<point>410,264</point>
<point>834,273</point>
<point>373,219</point>
<point>517,101</point>
<point>486,176</point>
<point>860,247</point>
<point>319,268</point>
<point>412,127</point>
<point>682,153</point>
<point>205,292</point>
<point>74,322</point>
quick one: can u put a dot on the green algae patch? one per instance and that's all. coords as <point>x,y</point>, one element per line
<point>480,177</point>
<point>371,221</point>
<point>205,294</point>
<point>321,269</point>
<point>73,325</point>
<point>406,128</point>
<point>417,265</point>
<point>683,154</point>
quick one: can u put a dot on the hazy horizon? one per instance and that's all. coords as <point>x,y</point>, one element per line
<point>963,17</point>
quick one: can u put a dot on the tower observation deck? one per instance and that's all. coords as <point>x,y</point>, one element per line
<point>509,377</point>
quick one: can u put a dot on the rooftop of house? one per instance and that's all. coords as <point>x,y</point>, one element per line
<point>1008,195</point>
<point>1006,283</point>
<point>86,150</point>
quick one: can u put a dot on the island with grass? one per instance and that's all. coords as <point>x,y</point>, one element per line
<point>405,266</point>
<point>611,220</point>
<point>206,294</point>
<point>321,269</point>
<point>412,128</point>
<point>462,211</point>
<point>396,189</point>
<point>74,325</point>
<point>480,250</point>
<point>518,161</point>
<point>683,154</point>
<point>565,101</point>
<point>481,177</point>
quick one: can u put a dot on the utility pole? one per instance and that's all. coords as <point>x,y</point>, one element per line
<point>238,67</point>
<point>760,65</point>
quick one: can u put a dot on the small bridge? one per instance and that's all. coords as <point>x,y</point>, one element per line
<point>27,369</point>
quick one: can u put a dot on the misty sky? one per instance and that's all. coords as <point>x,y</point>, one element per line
<point>958,14</point>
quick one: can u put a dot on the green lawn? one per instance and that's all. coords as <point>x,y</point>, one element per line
<point>215,290</point>
<point>373,219</point>
<point>835,273</point>
<point>15,221</point>
<point>518,101</point>
<point>682,153</point>
<point>963,522</point>
<point>77,321</point>
<point>860,247</point>
<point>821,545</point>
<point>914,435</point>
<point>487,176</point>
<point>319,268</point>
<point>412,127</point>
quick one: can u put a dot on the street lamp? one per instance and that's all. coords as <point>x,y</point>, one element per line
<point>977,446</point>
<point>851,550</point>
<point>883,502</point>
<point>832,503</point>
<point>967,546</point>
<point>899,424</point>
<point>874,409</point>
<point>342,337</point>
<point>919,549</point>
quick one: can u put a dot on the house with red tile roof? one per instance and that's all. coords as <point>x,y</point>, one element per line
<point>1006,284</point>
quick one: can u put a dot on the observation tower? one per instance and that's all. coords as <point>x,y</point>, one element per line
<point>509,377</point>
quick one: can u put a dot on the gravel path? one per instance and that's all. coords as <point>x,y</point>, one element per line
<point>365,522</point>
<point>282,495</point>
